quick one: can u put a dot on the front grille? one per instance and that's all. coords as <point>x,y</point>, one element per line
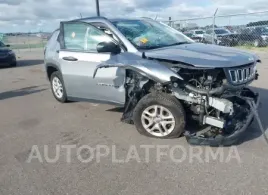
<point>243,74</point>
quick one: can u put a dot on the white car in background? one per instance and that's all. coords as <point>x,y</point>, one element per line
<point>218,34</point>
<point>198,33</point>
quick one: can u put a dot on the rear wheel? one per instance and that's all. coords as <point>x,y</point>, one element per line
<point>57,87</point>
<point>160,116</point>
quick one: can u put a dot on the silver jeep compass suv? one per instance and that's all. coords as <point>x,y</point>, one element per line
<point>163,79</point>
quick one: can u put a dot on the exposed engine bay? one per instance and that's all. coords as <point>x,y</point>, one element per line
<point>210,99</point>
<point>217,99</point>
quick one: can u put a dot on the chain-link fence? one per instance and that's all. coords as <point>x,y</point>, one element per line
<point>248,30</point>
<point>19,41</point>
<point>237,30</point>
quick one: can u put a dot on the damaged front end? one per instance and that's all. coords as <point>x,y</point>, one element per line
<point>227,128</point>
<point>221,103</point>
<point>217,98</point>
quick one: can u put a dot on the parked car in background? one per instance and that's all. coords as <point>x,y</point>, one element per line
<point>257,37</point>
<point>7,56</point>
<point>229,40</point>
<point>218,34</point>
<point>191,35</point>
<point>198,33</point>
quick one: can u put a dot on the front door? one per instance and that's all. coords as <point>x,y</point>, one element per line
<point>79,58</point>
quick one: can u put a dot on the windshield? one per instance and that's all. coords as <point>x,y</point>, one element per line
<point>265,30</point>
<point>145,34</point>
<point>262,30</point>
<point>199,32</point>
<point>2,44</point>
<point>221,31</point>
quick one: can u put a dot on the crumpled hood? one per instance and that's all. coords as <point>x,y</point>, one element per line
<point>203,55</point>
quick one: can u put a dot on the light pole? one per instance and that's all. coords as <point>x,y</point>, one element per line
<point>213,28</point>
<point>97,7</point>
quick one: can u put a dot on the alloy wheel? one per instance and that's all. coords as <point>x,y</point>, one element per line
<point>158,120</point>
<point>57,87</point>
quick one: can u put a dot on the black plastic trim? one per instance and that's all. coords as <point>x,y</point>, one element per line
<point>76,99</point>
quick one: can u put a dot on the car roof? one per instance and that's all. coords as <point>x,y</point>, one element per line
<point>111,20</point>
<point>125,19</point>
<point>219,29</point>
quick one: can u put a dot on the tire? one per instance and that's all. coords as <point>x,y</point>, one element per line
<point>14,64</point>
<point>205,41</point>
<point>234,43</point>
<point>171,108</point>
<point>56,76</point>
<point>241,42</point>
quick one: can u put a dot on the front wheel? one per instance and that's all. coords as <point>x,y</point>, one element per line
<point>159,115</point>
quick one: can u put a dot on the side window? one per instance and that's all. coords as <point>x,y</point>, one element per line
<point>74,35</point>
<point>94,37</point>
<point>83,37</point>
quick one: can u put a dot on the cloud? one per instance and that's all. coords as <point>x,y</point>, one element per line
<point>10,2</point>
<point>260,6</point>
<point>145,4</point>
<point>30,15</point>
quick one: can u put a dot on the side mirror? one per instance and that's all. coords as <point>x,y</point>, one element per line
<point>108,47</point>
<point>7,45</point>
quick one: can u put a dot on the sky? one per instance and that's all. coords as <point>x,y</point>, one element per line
<point>45,15</point>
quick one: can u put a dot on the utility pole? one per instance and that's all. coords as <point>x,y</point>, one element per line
<point>213,28</point>
<point>97,7</point>
<point>169,21</point>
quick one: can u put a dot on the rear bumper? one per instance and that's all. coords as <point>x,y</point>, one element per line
<point>230,139</point>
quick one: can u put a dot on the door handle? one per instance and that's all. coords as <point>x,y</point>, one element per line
<point>69,58</point>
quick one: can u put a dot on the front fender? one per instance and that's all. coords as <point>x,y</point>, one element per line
<point>149,68</point>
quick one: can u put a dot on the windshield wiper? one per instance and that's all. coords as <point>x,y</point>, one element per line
<point>161,46</point>
<point>179,43</point>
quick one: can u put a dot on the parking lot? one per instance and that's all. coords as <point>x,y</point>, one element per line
<point>30,116</point>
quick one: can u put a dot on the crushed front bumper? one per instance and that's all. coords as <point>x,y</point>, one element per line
<point>234,137</point>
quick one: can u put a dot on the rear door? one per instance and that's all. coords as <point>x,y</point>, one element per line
<point>79,58</point>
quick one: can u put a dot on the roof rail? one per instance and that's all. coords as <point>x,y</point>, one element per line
<point>94,17</point>
<point>147,18</point>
